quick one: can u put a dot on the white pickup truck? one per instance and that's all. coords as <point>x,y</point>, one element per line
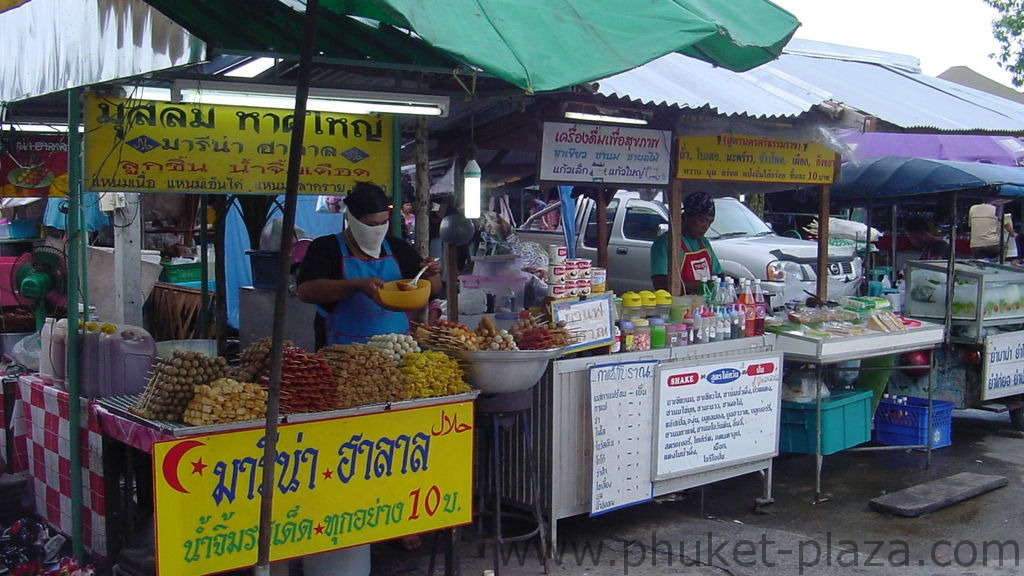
<point>745,245</point>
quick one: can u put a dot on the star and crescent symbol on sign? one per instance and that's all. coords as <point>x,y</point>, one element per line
<point>173,459</point>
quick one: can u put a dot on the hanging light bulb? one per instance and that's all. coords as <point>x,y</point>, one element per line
<point>471,190</point>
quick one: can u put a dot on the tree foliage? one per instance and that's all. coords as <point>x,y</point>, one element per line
<point>1008,29</point>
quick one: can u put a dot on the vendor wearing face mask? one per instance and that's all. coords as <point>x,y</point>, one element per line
<point>342,273</point>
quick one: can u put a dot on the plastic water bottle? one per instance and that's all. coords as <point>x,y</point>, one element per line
<point>730,291</point>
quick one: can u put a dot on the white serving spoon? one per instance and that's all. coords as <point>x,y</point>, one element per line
<point>414,283</point>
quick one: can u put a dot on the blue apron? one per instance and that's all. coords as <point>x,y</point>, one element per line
<point>358,317</point>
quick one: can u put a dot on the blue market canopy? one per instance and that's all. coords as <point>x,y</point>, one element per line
<point>895,177</point>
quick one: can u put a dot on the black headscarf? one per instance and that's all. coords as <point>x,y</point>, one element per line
<point>367,198</point>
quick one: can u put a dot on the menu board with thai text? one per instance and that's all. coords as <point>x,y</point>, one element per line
<point>621,404</point>
<point>717,413</point>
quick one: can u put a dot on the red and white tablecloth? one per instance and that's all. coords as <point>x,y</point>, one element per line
<point>42,423</point>
<point>128,431</point>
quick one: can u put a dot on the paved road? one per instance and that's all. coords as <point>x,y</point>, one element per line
<point>715,531</point>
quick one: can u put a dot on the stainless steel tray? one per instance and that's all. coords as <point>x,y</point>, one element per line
<point>119,405</point>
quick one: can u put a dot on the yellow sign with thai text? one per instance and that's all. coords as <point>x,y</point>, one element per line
<point>754,159</point>
<point>338,483</point>
<point>144,146</point>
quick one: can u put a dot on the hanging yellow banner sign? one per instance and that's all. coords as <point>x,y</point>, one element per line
<point>338,483</point>
<point>144,146</point>
<point>742,158</point>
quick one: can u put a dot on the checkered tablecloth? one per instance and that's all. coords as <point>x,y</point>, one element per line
<point>127,431</point>
<point>44,423</point>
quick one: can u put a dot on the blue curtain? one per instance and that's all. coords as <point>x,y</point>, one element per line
<point>236,266</point>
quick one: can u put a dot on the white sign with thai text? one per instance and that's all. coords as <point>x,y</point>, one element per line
<point>589,321</point>
<point>621,408</point>
<point>605,153</point>
<point>716,414</point>
<point>1002,368</point>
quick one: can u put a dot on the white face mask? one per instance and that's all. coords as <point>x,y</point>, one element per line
<point>368,238</point>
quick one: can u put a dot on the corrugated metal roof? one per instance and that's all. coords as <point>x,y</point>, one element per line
<point>905,99</point>
<point>887,86</point>
<point>679,81</point>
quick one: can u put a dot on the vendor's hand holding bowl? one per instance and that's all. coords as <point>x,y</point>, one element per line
<point>370,287</point>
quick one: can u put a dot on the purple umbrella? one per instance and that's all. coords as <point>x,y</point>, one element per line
<point>1003,150</point>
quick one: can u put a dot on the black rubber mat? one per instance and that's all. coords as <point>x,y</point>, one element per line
<point>930,496</point>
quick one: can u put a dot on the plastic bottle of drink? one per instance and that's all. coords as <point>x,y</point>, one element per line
<point>730,291</point>
<point>760,308</point>
<point>746,299</point>
<point>693,322</point>
<point>720,294</point>
<point>707,289</point>
<point>736,318</point>
<point>710,325</point>
<point>724,324</point>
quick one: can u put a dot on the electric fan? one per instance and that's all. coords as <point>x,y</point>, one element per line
<point>39,280</point>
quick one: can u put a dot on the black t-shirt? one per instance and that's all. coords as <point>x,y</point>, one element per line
<point>323,261</point>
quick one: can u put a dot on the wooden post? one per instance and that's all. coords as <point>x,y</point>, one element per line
<point>421,206</point>
<point>675,230</point>
<point>675,222</point>
<point>823,216</point>
<point>451,260</point>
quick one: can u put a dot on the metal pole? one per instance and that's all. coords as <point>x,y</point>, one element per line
<point>892,247</point>
<point>74,265</point>
<point>281,293</point>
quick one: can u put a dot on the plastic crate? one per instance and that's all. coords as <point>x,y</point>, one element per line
<point>187,272</point>
<point>845,422</point>
<point>906,424</point>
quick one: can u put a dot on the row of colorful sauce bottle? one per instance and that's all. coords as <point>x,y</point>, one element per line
<point>724,315</point>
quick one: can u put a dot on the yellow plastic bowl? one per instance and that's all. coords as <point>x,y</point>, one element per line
<point>394,298</point>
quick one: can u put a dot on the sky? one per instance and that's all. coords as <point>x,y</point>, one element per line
<point>941,33</point>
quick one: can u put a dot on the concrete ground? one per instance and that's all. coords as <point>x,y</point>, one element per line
<point>714,530</point>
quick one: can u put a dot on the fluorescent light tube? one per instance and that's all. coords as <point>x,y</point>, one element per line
<point>605,119</point>
<point>471,190</point>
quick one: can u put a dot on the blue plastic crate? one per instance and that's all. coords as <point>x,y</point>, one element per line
<point>845,422</point>
<point>906,424</point>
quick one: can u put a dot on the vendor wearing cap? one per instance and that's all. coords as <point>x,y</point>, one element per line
<point>699,259</point>
<point>341,273</point>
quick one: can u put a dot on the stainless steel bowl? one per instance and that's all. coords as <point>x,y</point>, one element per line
<point>504,371</point>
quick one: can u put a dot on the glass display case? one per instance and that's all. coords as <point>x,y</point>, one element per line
<point>987,297</point>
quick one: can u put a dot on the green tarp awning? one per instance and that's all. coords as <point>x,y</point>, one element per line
<point>537,45</point>
<point>543,45</point>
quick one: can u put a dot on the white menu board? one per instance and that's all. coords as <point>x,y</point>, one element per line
<point>621,408</point>
<point>716,414</point>
<point>605,153</point>
<point>1002,367</point>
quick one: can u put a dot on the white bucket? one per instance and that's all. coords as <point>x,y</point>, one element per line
<point>353,561</point>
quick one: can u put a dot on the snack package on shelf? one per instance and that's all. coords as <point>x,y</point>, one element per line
<point>885,321</point>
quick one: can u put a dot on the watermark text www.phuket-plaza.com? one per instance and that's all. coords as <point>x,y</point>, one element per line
<point>802,555</point>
